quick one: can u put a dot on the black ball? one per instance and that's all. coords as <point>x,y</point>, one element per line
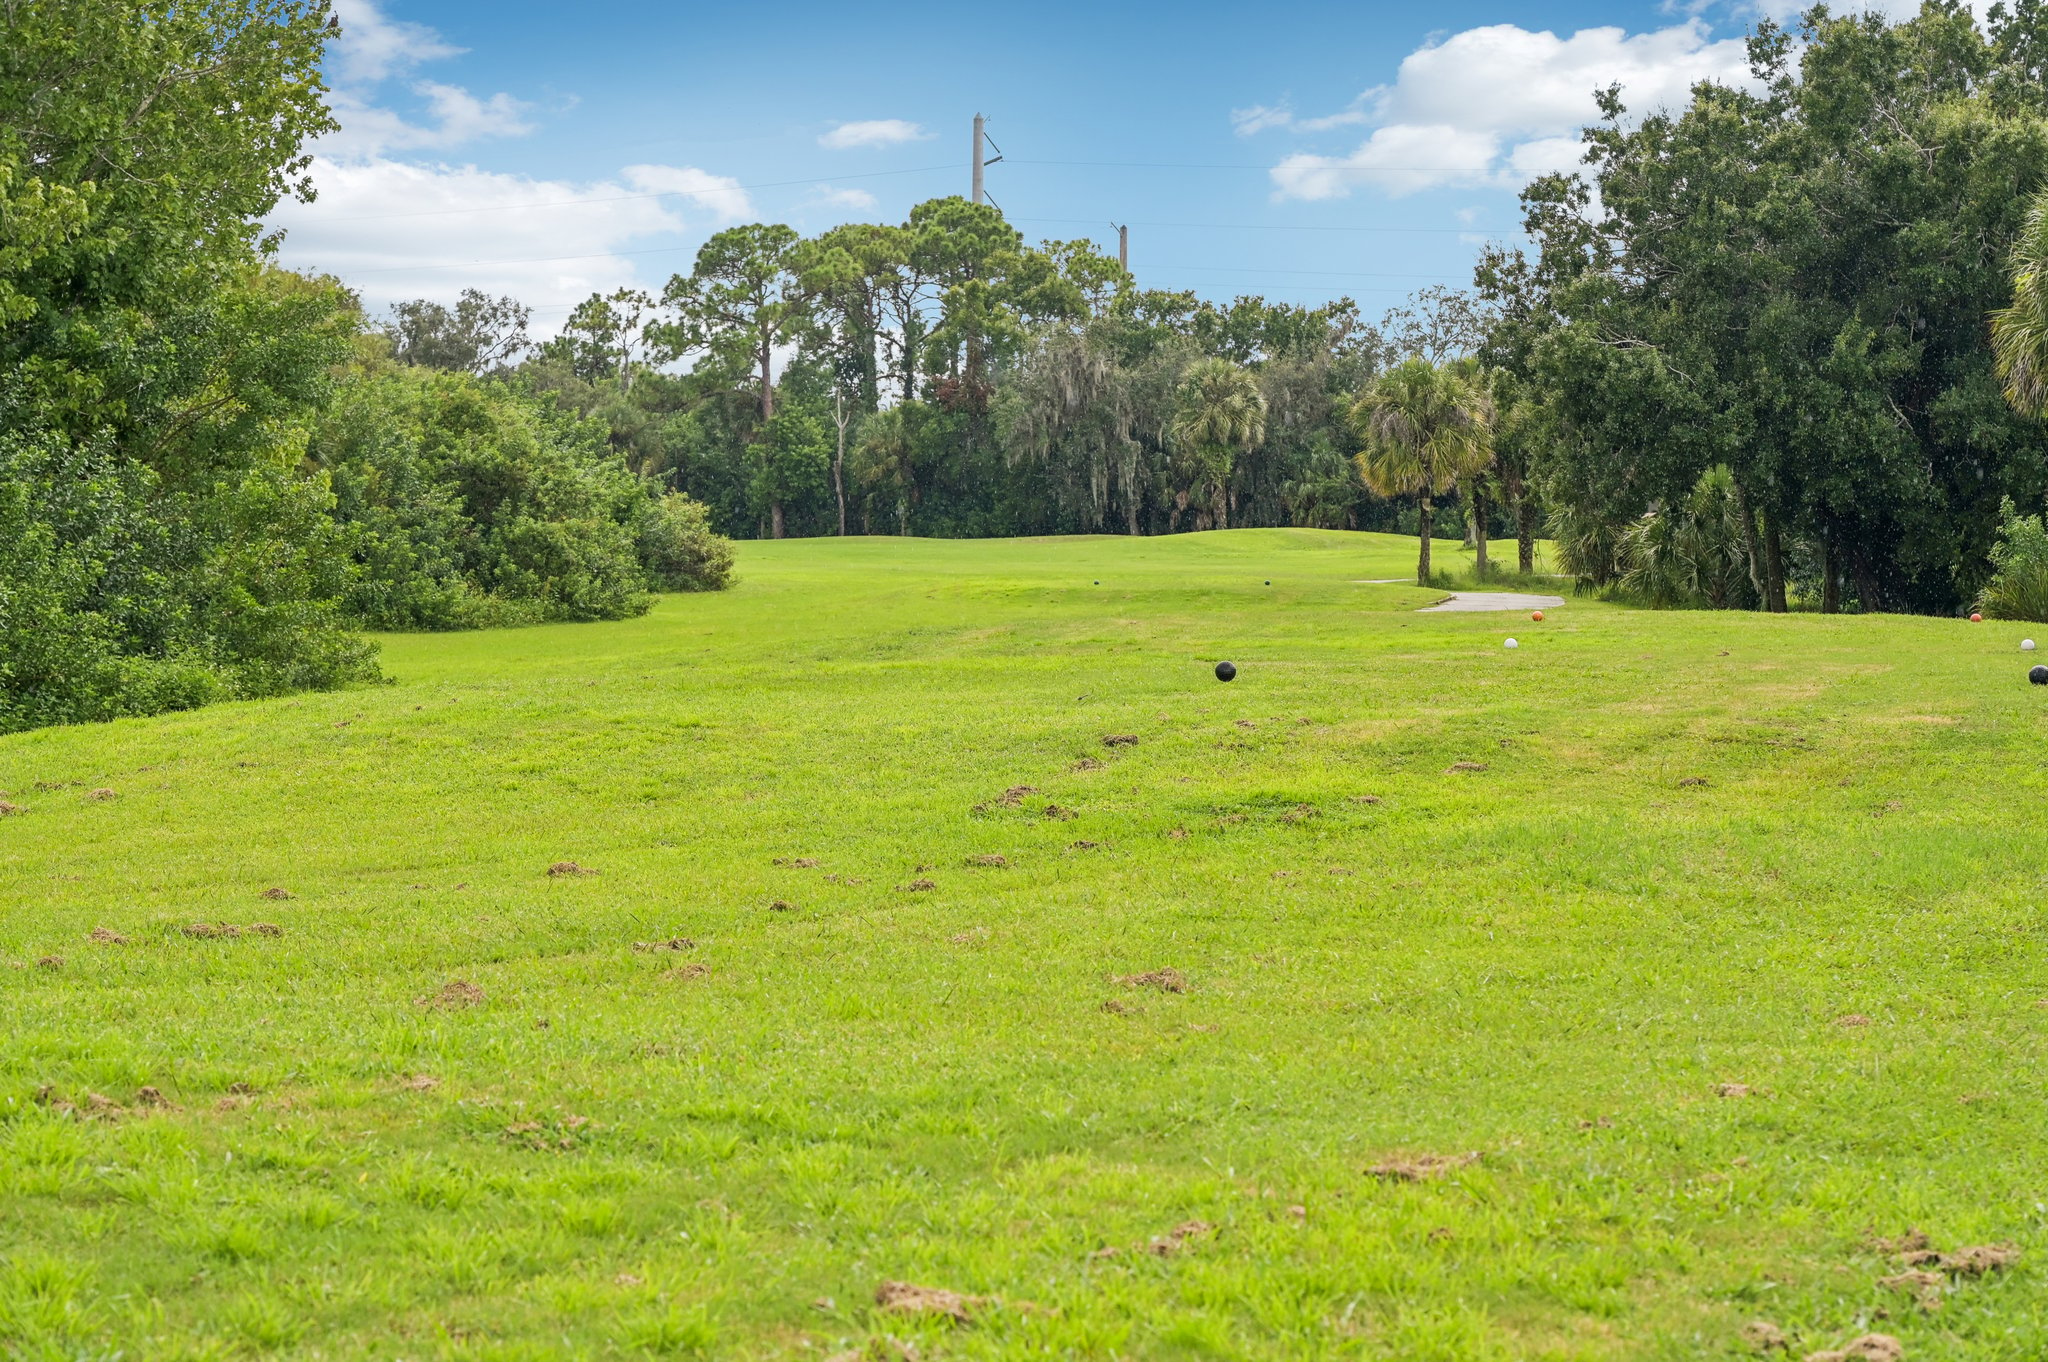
<point>2038,675</point>
<point>1226,672</point>
<point>1269,581</point>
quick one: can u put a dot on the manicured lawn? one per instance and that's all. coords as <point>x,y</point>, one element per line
<point>1700,846</point>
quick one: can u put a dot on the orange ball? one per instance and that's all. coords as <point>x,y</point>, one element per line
<point>1976,619</point>
<point>1536,614</point>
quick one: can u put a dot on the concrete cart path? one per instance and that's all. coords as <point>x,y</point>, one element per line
<point>1495,600</point>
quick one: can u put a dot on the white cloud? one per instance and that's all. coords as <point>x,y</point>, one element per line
<point>395,230</point>
<point>1499,105</point>
<point>1262,117</point>
<point>857,200</point>
<point>372,47</point>
<point>873,132</point>
<point>1259,117</point>
<point>455,117</point>
<point>1400,159</point>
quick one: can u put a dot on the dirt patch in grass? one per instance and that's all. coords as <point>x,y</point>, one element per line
<point>1692,781</point>
<point>1179,1237</point>
<point>674,943</point>
<point>1088,764</point>
<point>1300,813</point>
<point>988,861</point>
<point>1868,1348</point>
<point>781,906</point>
<point>1980,1259</point>
<point>1367,799</point>
<point>8,810</point>
<point>1731,1090</point>
<point>1119,740</point>
<point>1168,980</point>
<point>274,892</point>
<point>1014,796</point>
<point>1178,834</point>
<point>1060,813</point>
<point>798,862</point>
<point>101,795</point>
<point>694,970</point>
<point>217,931</point>
<point>1852,1019</point>
<point>50,962</point>
<point>562,868</point>
<point>1082,846</point>
<point>904,1298</point>
<point>421,1083</point>
<point>1923,1286</point>
<point>106,936</point>
<point>453,996</point>
<point>917,886</point>
<point>1459,766</point>
<point>1765,1337</point>
<point>1117,1007</point>
<point>1912,1241</point>
<point>152,1098</point>
<point>1420,1167</point>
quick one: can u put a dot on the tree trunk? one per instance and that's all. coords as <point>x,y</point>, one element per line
<point>1774,566</point>
<point>1525,535</point>
<point>1479,532</point>
<point>1749,547</point>
<point>1830,578</point>
<point>775,519</point>
<point>1424,521</point>
<point>839,459</point>
<point>1220,500</point>
<point>1868,601</point>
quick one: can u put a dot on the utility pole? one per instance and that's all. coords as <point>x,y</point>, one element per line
<point>1123,246</point>
<point>978,121</point>
<point>983,141</point>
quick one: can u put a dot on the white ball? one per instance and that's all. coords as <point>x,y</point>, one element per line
<point>2026,645</point>
<point>1511,644</point>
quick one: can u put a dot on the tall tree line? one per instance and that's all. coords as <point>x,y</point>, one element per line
<point>943,377</point>
<point>1749,356</point>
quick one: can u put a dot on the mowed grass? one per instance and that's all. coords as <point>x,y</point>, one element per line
<point>1698,842</point>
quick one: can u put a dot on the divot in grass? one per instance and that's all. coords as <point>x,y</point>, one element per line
<point>1421,1167</point>
<point>904,1298</point>
<point>1168,980</point>
<point>453,996</point>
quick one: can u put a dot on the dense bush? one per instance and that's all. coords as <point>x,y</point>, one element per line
<point>2018,589</point>
<point>678,548</point>
<point>471,502</point>
<point>120,598</point>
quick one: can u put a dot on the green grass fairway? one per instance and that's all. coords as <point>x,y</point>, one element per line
<point>1798,854</point>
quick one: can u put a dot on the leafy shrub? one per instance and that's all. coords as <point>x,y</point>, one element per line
<point>473,503</point>
<point>2018,589</point>
<point>118,599</point>
<point>678,548</point>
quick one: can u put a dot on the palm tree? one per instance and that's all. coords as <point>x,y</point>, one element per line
<point>1425,426</point>
<point>2019,334</point>
<point>1220,413</point>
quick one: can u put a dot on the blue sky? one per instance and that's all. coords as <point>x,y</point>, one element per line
<point>1300,152</point>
